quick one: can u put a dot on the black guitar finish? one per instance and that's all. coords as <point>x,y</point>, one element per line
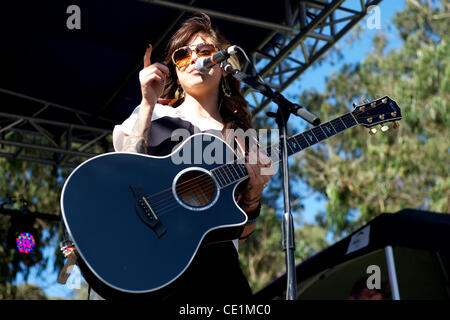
<point>129,247</point>
<point>139,220</point>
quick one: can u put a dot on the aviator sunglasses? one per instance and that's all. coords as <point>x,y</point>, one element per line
<point>182,56</point>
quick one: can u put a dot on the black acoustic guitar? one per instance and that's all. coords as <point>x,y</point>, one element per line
<point>138,220</point>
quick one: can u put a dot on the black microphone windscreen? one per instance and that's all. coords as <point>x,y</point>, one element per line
<point>201,65</point>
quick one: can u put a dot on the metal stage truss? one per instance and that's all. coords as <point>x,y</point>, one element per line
<point>54,134</point>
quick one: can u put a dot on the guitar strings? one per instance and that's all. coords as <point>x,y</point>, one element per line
<point>192,180</point>
<point>203,177</point>
<point>167,194</point>
<point>186,186</point>
<point>161,201</point>
<point>169,205</point>
<point>163,194</point>
<point>169,208</point>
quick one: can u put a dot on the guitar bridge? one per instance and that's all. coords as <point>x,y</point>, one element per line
<point>147,208</point>
<point>146,213</point>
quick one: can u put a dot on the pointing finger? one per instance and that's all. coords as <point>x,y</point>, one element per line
<point>147,56</point>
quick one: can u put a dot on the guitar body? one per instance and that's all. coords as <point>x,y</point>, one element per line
<point>138,220</point>
<point>125,249</point>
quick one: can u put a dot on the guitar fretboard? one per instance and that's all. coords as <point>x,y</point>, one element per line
<point>230,173</point>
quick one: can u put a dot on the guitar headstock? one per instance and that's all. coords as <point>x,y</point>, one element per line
<point>377,112</point>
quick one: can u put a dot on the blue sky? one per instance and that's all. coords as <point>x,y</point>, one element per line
<point>315,78</point>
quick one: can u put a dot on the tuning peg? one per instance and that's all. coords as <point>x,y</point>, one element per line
<point>372,131</point>
<point>384,128</point>
<point>395,125</point>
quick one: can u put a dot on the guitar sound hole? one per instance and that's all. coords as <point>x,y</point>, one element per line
<point>196,189</point>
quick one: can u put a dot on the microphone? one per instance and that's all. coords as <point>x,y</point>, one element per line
<point>203,65</point>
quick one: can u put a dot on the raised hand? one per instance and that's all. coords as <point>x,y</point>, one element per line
<point>152,78</point>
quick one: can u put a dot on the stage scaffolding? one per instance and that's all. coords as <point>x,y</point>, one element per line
<point>53,134</point>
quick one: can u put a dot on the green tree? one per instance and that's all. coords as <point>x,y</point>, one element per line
<point>363,176</point>
<point>262,257</point>
<point>39,187</point>
<point>30,292</point>
<point>360,175</point>
<point>22,292</point>
<point>35,184</point>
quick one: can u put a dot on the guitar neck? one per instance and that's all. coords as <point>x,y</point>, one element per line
<point>231,173</point>
<point>319,133</point>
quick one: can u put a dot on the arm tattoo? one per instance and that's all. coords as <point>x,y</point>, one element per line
<point>137,143</point>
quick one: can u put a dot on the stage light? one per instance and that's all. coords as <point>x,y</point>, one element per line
<point>21,232</point>
<point>25,242</point>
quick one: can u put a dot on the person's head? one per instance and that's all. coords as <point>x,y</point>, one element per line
<point>195,38</point>
<point>361,292</point>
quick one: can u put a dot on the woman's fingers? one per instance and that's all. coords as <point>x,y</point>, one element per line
<point>259,168</point>
<point>146,77</point>
<point>163,68</point>
<point>156,78</point>
<point>250,171</point>
<point>258,157</point>
<point>264,159</point>
<point>254,173</point>
<point>152,78</point>
<point>155,67</point>
<point>149,67</point>
<point>147,56</point>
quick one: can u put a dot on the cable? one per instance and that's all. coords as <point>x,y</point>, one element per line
<point>251,64</point>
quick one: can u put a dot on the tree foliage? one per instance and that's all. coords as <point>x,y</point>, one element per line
<point>363,176</point>
<point>32,187</point>
<point>23,292</point>
<point>262,257</point>
<point>360,175</point>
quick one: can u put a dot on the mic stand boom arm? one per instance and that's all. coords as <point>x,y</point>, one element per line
<point>285,109</point>
<point>275,96</point>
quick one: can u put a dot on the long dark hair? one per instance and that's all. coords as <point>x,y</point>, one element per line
<point>233,110</point>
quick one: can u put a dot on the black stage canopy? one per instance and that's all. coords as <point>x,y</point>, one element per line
<point>420,246</point>
<point>62,90</point>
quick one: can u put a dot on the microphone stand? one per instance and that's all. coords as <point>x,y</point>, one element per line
<point>285,109</point>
